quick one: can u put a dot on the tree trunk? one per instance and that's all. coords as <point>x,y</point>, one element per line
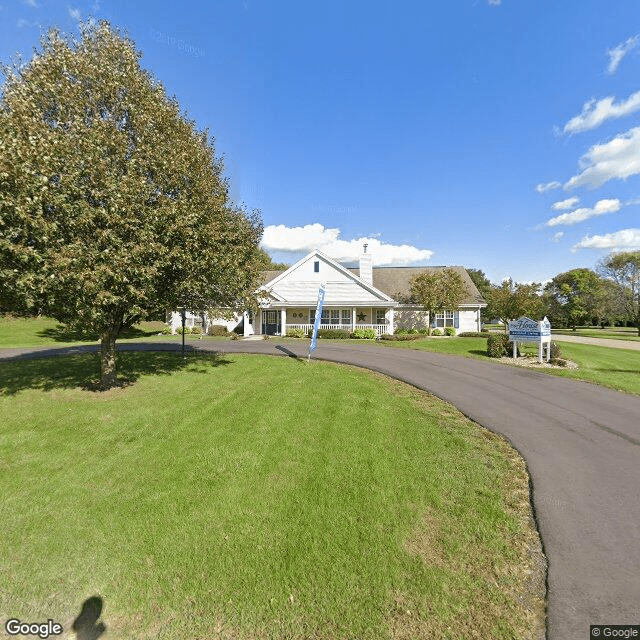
<point>107,360</point>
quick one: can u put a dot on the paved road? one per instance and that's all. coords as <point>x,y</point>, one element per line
<point>603,342</point>
<point>582,446</point>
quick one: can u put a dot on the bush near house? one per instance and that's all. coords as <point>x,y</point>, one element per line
<point>187,330</point>
<point>364,334</point>
<point>167,331</point>
<point>296,333</point>
<point>450,331</point>
<point>436,332</point>
<point>218,330</point>
<point>336,334</point>
<point>196,331</point>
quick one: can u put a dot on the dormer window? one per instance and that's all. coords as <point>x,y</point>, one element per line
<point>316,266</point>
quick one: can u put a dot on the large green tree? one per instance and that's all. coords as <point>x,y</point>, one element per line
<point>624,269</point>
<point>112,203</point>
<point>576,295</point>
<point>438,291</point>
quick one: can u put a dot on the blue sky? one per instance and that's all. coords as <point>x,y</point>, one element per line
<point>502,135</point>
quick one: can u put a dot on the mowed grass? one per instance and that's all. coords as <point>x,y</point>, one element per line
<point>255,497</point>
<point>617,333</point>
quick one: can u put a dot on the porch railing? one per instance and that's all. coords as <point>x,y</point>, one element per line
<point>380,329</point>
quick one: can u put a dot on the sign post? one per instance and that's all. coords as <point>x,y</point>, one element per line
<point>314,336</point>
<point>528,330</point>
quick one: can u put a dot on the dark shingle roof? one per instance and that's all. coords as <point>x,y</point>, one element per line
<point>396,281</point>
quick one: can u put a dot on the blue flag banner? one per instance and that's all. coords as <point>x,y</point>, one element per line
<point>314,337</point>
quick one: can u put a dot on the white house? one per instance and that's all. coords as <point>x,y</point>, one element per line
<point>355,298</point>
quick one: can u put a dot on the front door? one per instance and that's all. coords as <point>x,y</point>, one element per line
<point>270,324</point>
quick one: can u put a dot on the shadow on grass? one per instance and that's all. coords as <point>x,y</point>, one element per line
<point>478,352</point>
<point>83,370</point>
<point>61,333</point>
<point>637,371</point>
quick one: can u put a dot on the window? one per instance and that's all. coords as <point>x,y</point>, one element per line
<point>346,316</point>
<point>380,316</point>
<point>444,319</point>
<point>316,266</point>
<point>335,316</point>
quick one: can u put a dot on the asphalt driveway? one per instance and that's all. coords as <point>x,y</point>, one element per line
<point>582,446</point>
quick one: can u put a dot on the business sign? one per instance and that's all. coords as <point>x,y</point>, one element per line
<point>528,330</point>
<point>316,325</point>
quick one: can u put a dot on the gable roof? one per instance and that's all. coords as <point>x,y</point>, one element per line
<point>394,282</point>
<point>342,283</point>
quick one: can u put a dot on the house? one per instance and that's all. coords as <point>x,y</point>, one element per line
<point>355,298</point>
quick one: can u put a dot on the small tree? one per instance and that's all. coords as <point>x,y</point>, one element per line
<point>438,291</point>
<point>112,204</point>
<point>511,300</point>
<point>624,269</point>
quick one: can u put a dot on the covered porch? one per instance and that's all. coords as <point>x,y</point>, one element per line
<point>276,321</point>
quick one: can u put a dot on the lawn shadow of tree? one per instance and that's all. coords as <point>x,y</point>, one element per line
<point>478,352</point>
<point>83,370</point>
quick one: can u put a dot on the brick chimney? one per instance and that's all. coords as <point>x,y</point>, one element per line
<point>366,266</point>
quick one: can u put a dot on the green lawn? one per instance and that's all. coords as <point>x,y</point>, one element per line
<point>616,333</point>
<point>255,497</point>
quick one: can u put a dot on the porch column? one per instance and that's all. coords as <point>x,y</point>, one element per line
<point>283,322</point>
<point>258,327</point>
<point>391,318</point>
<point>353,319</point>
<point>245,324</point>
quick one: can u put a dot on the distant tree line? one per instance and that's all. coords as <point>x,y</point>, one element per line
<point>608,295</point>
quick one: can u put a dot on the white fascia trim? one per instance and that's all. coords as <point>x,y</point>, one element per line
<point>337,265</point>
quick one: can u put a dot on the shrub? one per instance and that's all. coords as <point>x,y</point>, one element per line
<point>424,332</point>
<point>555,351</point>
<point>218,330</point>
<point>473,334</point>
<point>167,331</point>
<point>235,336</point>
<point>559,362</point>
<point>296,333</point>
<point>196,331</point>
<point>498,345</point>
<point>187,330</point>
<point>364,334</point>
<point>436,332</point>
<point>413,331</point>
<point>484,330</point>
<point>450,331</point>
<point>402,332</point>
<point>336,334</point>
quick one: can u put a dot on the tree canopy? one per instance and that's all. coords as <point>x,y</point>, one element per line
<point>112,203</point>
<point>512,300</point>
<point>576,296</point>
<point>438,291</point>
<point>624,269</point>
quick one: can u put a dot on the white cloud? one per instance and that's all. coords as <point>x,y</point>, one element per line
<point>316,236</point>
<point>557,236</point>
<point>628,239</point>
<point>31,3</point>
<point>494,3</point>
<point>619,158</point>
<point>594,113</point>
<point>620,51</point>
<point>563,205</point>
<point>611,205</point>
<point>549,186</point>
<point>74,13</point>
<point>22,23</point>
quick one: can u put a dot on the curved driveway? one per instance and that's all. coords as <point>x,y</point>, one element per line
<point>582,447</point>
